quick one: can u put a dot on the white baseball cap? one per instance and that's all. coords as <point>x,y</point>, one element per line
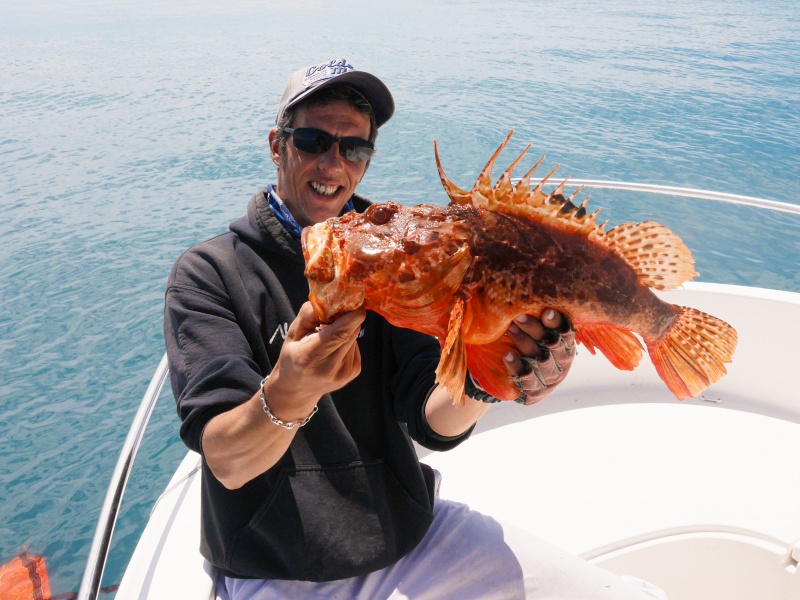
<point>309,80</point>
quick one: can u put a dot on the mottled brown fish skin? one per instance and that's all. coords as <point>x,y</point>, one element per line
<point>520,266</point>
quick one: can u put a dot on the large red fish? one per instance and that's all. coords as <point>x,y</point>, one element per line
<point>462,272</point>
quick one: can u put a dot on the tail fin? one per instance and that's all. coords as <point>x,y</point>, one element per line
<point>692,354</point>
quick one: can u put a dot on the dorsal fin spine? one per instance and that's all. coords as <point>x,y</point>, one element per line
<point>503,188</point>
<point>559,191</point>
<point>522,200</point>
<point>505,178</point>
<point>575,193</point>
<point>484,183</point>
<point>455,193</point>
<point>525,183</point>
<point>540,185</point>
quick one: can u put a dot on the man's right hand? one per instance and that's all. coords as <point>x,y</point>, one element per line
<point>243,443</point>
<point>315,360</point>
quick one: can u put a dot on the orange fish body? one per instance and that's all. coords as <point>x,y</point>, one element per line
<point>462,272</point>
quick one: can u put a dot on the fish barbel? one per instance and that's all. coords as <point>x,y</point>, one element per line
<point>462,272</point>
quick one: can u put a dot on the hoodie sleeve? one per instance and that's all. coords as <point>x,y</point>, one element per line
<point>211,363</point>
<point>417,356</point>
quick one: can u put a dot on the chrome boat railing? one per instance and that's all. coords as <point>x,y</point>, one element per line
<point>98,554</point>
<point>683,192</point>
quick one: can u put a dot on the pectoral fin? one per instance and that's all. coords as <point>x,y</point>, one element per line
<point>452,369</point>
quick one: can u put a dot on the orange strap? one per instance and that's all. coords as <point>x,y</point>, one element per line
<point>24,578</point>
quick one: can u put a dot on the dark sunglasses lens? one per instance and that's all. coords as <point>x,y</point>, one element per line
<point>312,140</point>
<point>355,149</point>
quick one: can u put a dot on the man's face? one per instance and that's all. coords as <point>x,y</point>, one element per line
<point>315,187</point>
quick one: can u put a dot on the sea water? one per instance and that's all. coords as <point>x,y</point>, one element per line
<point>130,130</point>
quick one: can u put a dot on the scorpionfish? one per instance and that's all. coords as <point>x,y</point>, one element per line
<point>462,272</point>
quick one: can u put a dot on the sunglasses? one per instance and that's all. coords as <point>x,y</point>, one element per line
<point>315,141</point>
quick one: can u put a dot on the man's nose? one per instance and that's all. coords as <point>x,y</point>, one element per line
<point>331,159</point>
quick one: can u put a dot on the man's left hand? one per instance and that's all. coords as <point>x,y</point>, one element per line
<point>545,351</point>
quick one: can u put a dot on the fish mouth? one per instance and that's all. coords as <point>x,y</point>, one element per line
<point>329,293</point>
<point>320,269</point>
<point>318,254</point>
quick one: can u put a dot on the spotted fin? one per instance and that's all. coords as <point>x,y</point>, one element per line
<point>659,258</point>
<point>693,352</point>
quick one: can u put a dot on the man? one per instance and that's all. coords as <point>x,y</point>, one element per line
<point>311,486</point>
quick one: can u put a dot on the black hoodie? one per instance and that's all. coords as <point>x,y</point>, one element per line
<point>349,497</point>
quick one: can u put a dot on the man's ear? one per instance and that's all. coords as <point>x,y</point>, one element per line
<point>275,147</point>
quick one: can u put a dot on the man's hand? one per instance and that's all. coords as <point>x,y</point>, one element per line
<point>315,360</point>
<point>242,443</point>
<point>546,349</point>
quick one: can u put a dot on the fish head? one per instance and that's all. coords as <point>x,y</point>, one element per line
<point>345,254</point>
<point>391,258</point>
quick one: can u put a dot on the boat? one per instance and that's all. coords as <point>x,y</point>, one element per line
<point>697,496</point>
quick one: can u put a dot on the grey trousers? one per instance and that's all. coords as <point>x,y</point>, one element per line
<point>465,555</point>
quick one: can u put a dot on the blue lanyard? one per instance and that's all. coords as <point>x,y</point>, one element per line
<point>285,217</point>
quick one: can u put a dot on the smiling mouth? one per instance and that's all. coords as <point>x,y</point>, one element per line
<point>325,190</point>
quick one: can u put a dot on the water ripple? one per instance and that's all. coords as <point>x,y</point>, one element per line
<point>132,129</point>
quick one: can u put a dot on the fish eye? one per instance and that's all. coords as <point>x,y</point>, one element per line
<point>380,214</point>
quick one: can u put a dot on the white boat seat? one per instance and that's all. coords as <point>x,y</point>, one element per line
<point>641,488</point>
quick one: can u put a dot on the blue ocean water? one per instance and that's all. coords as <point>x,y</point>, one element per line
<point>131,129</point>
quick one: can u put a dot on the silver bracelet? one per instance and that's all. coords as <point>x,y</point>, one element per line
<point>286,425</point>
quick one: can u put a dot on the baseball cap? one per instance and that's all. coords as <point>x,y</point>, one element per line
<point>309,80</point>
